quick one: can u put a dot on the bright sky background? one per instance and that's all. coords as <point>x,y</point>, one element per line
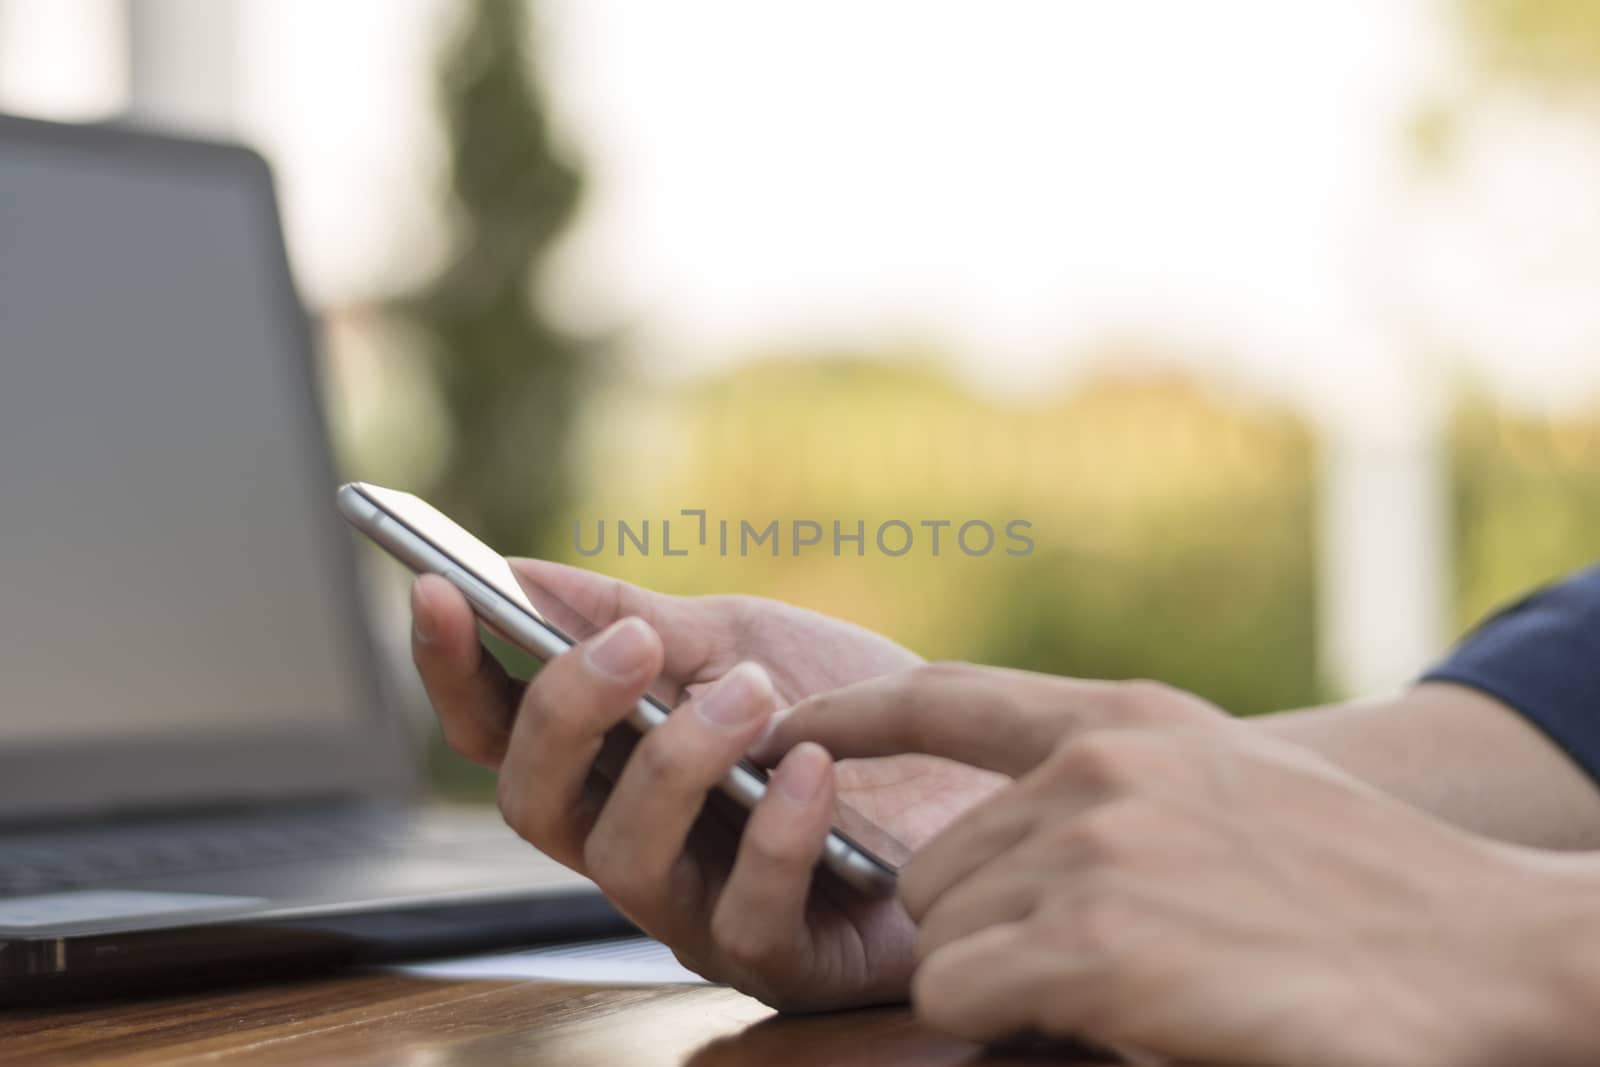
<point>1017,179</point>
<point>1019,183</point>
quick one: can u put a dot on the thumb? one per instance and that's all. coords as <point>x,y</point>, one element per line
<point>581,603</point>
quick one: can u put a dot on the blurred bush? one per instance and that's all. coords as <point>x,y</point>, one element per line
<point>1526,499</point>
<point>1550,41</point>
<point>1172,526</point>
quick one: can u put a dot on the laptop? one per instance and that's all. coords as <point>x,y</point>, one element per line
<point>197,769</point>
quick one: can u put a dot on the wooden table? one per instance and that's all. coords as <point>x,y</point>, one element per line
<point>387,1018</point>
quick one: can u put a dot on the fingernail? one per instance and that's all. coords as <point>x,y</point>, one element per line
<point>621,650</point>
<point>800,775</point>
<point>739,696</point>
<point>421,615</point>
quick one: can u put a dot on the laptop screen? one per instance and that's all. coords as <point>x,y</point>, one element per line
<point>171,566</point>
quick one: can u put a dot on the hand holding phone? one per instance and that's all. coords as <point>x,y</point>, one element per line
<point>857,852</point>
<point>741,911</point>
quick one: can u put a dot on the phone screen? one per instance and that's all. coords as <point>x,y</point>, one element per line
<point>491,569</point>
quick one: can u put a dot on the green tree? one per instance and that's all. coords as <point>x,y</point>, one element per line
<point>509,381</point>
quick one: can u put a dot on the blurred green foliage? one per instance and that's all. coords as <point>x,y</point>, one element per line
<point>509,383</point>
<point>1526,499</point>
<point>1172,526</point>
<point>1554,42</point>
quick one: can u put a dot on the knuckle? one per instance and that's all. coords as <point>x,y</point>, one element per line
<point>938,673</point>
<point>749,946</point>
<point>740,609</point>
<point>945,922</point>
<point>656,761</point>
<point>1142,702</point>
<point>1104,759</point>
<point>1100,927</point>
<point>768,852</point>
<point>1093,924</point>
<point>531,821</point>
<point>928,991</point>
<point>638,890</point>
<point>914,691</point>
<point>914,889</point>
<point>937,997</point>
<point>1103,837</point>
<point>462,738</point>
<point>927,940</point>
<point>550,829</point>
<point>605,863</point>
<point>923,681</point>
<point>549,710</point>
<point>514,810</point>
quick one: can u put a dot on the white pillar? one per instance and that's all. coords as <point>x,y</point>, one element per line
<point>1384,539</point>
<point>62,59</point>
<point>183,64</point>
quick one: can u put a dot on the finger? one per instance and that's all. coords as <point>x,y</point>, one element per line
<point>759,922</point>
<point>1001,720</point>
<point>987,986</point>
<point>580,601</point>
<point>966,845</point>
<point>1086,773</point>
<point>560,728</point>
<point>978,903</point>
<point>634,849</point>
<point>471,692</point>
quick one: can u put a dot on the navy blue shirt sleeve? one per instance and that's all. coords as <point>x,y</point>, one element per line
<point>1541,656</point>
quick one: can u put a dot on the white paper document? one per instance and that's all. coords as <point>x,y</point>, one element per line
<point>627,960</point>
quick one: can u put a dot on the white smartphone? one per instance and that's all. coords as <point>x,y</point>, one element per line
<point>426,540</point>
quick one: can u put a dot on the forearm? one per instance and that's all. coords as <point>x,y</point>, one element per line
<point>1523,959</point>
<point>1461,755</point>
<point>1526,956</point>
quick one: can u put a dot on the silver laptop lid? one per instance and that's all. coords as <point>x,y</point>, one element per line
<point>178,618</point>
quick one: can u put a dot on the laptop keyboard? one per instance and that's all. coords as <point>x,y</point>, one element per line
<point>71,860</point>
